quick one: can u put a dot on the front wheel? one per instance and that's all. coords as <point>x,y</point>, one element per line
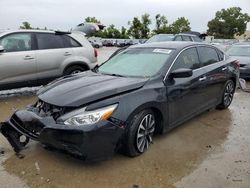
<point>227,95</point>
<point>74,70</point>
<point>140,133</point>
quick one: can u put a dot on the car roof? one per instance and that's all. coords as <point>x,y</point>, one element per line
<point>186,34</point>
<point>34,31</point>
<point>170,44</point>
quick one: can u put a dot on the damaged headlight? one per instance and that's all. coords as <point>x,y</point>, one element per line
<point>84,117</point>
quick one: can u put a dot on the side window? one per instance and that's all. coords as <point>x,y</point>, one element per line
<point>207,55</point>
<point>196,39</point>
<point>70,42</point>
<point>16,42</point>
<point>186,38</point>
<point>187,59</point>
<point>49,41</point>
<point>178,38</point>
<point>221,55</point>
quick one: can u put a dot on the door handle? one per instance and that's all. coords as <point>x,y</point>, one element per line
<point>67,53</point>
<point>28,57</point>
<point>224,68</point>
<point>202,78</point>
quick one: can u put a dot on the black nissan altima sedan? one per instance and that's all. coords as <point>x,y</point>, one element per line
<point>145,90</point>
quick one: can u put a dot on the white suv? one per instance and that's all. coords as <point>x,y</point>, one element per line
<point>34,57</point>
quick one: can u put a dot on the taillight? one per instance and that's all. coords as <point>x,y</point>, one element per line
<point>237,64</point>
<point>95,52</point>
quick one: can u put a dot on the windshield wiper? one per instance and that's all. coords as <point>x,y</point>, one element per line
<point>95,69</point>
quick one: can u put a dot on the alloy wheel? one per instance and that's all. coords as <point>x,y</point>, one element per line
<point>228,94</point>
<point>145,132</point>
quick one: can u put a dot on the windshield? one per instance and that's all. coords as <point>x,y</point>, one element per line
<point>161,38</point>
<point>239,51</point>
<point>136,62</point>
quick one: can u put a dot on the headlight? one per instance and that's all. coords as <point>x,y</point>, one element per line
<point>83,117</point>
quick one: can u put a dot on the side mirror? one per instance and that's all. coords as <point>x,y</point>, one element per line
<point>1,49</point>
<point>181,73</point>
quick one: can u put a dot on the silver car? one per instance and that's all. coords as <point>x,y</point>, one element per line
<point>34,57</point>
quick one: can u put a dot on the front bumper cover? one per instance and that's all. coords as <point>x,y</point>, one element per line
<point>98,143</point>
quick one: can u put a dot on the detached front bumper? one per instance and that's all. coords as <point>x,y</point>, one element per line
<point>96,143</point>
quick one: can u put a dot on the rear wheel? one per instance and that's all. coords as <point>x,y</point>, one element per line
<point>140,133</point>
<point>227,95</point>
<point>74,70</point>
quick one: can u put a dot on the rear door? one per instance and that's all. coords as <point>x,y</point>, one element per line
<point>216,73</point>
<point>51,53</point>
<point>17,62</point>
<point>186,95</point>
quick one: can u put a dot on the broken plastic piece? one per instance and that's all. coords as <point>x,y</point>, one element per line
<point>16,139</point>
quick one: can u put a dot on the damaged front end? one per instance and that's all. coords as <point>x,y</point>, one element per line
<point>42,123</point>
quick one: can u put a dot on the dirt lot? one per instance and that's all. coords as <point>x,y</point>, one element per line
<point>211,150</point>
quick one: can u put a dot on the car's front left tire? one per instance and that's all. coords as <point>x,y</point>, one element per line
<point>139,133</point>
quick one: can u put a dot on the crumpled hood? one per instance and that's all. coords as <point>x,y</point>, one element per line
<point>243,59</point>
<point>87,87</point>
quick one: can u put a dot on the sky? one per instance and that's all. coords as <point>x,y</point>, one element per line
<point>65,14</point>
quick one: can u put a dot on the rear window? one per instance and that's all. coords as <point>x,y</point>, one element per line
<point>70,42</point>
<point>49,41</point>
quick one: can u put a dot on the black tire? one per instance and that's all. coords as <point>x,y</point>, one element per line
<point>227,96</point>
<point>133,141</point>
<point>74,69</point>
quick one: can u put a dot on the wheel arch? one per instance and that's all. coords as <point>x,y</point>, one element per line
<point>160,120</point>
<point>76,63</point>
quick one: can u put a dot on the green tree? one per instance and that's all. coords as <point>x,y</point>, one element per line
<point>124,34</point>
<point>145,22</point>
<point>26,25</point>
<point>112,32</point>
<point>91,19</point>
<point>139,28</point>
<point>228,23</point>
<point>180,25</point>
<point>161,25</point>
<point>135,28</point>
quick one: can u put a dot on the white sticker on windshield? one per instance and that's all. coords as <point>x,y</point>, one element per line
<point>165,51</point>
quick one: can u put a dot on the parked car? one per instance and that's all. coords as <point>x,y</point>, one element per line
<point>145,90</point>
<point>242,53</point>
<point>34,57</point>
<point>96,44</point>
<point>171,37</point>
<point>119,43</point>
<point>107,42</point>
